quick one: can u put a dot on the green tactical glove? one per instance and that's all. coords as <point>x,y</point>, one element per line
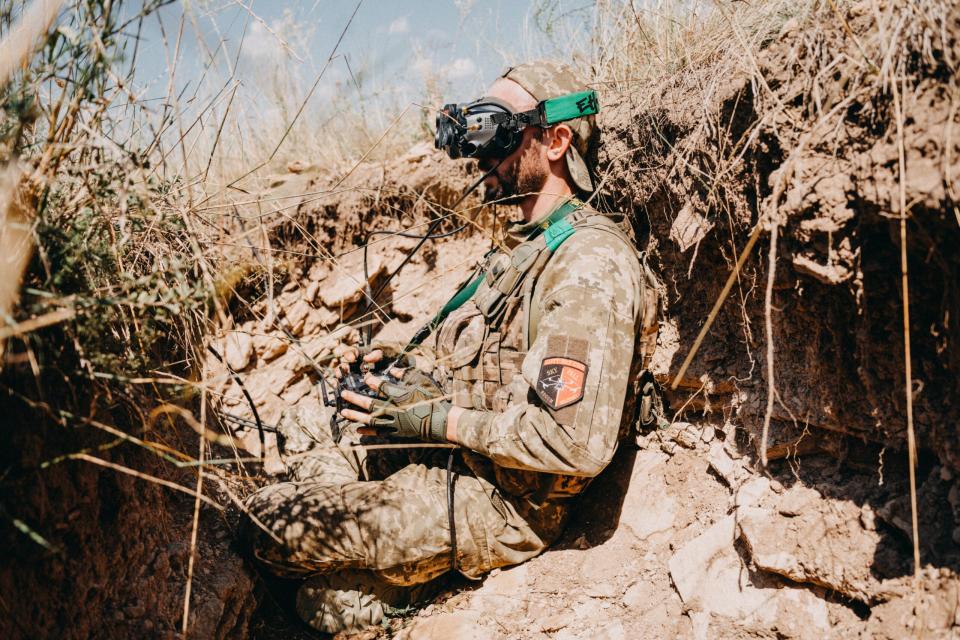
<point>413,408</point>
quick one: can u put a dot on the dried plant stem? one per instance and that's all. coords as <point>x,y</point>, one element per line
<point>143,476</point>
<point>297,115</point>
<point>907,361</point>
<point>716,306</point>
<point>196,512</point>
<point>16,247</point>
<point>20,43</point>
<point>768,328</point>
<point>54,317</point>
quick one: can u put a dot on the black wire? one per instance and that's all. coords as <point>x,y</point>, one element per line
<point>404,234</point>
<point>429,235</point>
<point>451,513</point>
<point>244,422</point>
<point>246,394</point>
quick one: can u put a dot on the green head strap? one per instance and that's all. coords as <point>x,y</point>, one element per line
<point>568,107</point>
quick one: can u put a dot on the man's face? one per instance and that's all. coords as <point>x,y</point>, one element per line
<point>524,171</point>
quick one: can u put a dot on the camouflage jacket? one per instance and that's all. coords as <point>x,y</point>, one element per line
<point>543,356</point>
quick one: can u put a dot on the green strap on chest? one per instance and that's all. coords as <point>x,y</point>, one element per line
<point>556,229</point>
<point>459,298</point>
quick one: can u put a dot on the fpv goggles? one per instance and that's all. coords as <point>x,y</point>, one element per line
<point>487,128</point>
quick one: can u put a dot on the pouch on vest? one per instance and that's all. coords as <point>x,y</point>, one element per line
<point>652,408</point>
<point>507,272</point>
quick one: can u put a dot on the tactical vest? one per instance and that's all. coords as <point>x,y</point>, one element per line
<point>482,344</point>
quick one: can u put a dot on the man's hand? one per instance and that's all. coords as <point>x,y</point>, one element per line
<point>413,408</point>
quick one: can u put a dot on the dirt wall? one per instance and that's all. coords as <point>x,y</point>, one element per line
<point>812,146</point>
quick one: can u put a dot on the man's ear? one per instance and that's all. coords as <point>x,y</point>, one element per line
<point>559,141</point>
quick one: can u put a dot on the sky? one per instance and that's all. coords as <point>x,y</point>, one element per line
<point>451,45</point>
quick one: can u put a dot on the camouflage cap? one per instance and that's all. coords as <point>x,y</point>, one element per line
<point>544,79</point>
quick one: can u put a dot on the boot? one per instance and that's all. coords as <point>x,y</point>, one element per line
<point>355,600</point>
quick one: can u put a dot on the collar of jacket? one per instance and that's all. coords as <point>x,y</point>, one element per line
<point>530,230</point>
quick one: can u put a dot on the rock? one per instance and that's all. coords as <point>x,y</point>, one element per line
<point>273,464</point>
<point>931,615</point>
<point>557,621</point>
<point>637,595</point>
<point>296,391</point>
<point>868,519</point>
<point>271,346</point>
<point>502,594</point>
<point>263,382</point>
<point>688,438</point>
<point>463,625</point>
<point>723,465</point>
<point>309,352</point>
<point>319,320</point>
<point>894,514</point>
<point>299,166</point>
<point>611,631</point>
<point>702,567</point>
<point>708,434</point>
<point>588,610</point>
<point>689,227</point>
<point>296,316</point>
<point>648,508</point>
<point>310,293</point>
<point>418,152</point>
<point>607,561</point>
<point>711,579</point>
<point>668,446</point>
<point>344,287</point>
<point>797,499</point>
<point>601,590</point>
<point>752,492</point>
<point>825,546</point>
<point>303,426</point>
<point>238,346</point>
<point>249,439</point>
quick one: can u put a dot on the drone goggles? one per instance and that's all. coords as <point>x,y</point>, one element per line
<point>488,128</point>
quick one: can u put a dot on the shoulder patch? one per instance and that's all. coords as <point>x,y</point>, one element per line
<point>561,381</point>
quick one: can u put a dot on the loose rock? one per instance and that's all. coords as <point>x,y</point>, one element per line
<point>239,350</point>
<point>710,578</point>
<point>823,545</point>
<point>796,500</point>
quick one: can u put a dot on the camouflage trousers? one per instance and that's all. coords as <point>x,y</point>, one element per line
<point>386,511</point>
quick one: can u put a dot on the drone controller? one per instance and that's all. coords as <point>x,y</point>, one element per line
<point>352,381</point>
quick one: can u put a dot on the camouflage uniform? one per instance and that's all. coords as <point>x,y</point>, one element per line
<point>542,356</point>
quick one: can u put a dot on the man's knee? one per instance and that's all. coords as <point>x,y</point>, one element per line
<point>296,528</point>
<point>264,528</point>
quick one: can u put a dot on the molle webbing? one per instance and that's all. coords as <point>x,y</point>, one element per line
<point>554,238</point>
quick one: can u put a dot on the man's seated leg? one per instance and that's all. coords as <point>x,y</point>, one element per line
<point>396,528</point>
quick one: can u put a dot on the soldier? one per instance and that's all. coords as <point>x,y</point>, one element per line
<point>534,377</point>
